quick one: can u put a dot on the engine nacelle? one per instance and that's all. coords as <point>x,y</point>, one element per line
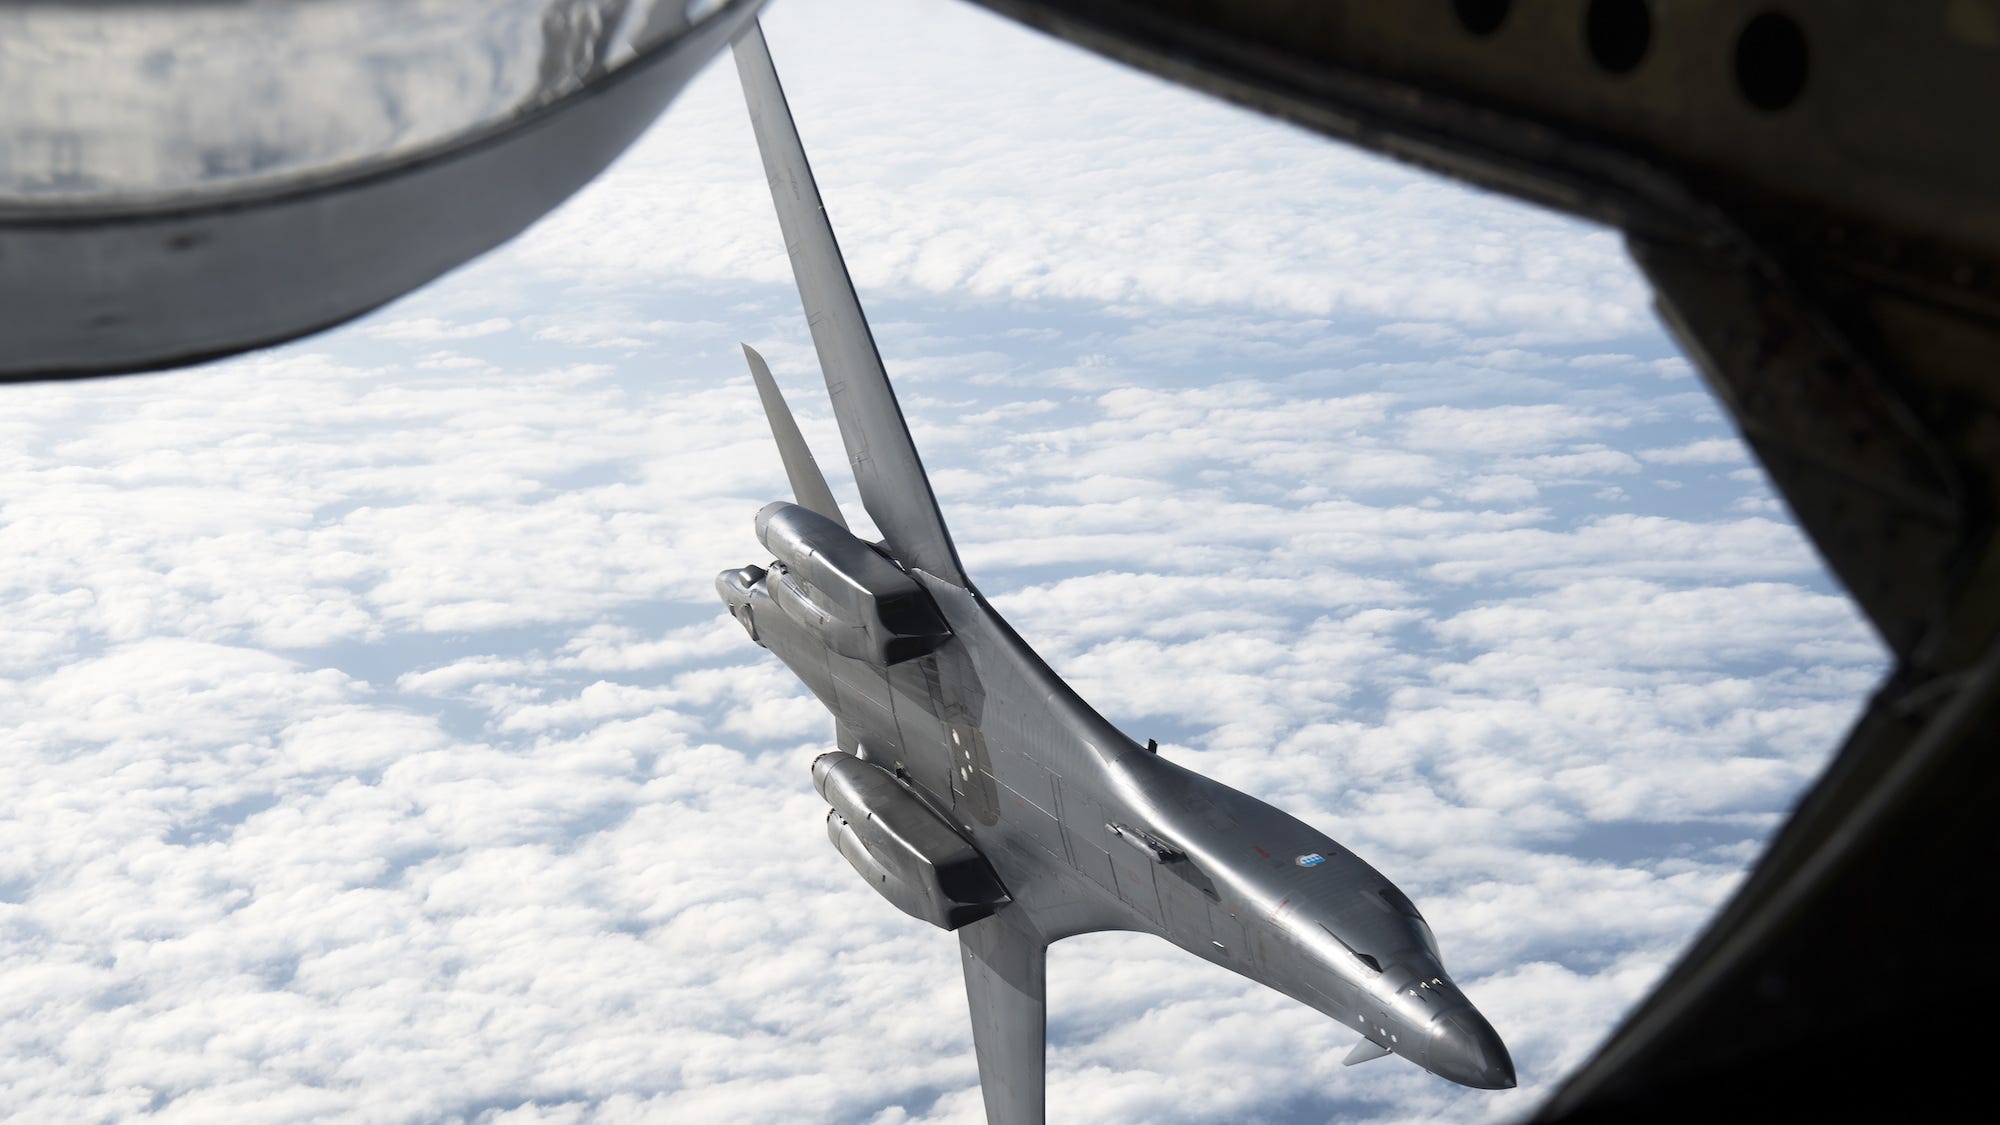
<point>831,581</point>
<point>738,589</point>
<point>908,853</point>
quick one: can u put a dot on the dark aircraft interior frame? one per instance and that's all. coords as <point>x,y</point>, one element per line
<point>1813,191</point>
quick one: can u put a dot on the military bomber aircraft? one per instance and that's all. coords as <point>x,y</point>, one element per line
<point>975,790</point>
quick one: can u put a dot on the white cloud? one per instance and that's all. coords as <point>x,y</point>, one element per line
<point>1503,488</point>
<point>427,329</point>
<point>1707,451</point>
<point>1581,462</point>
<point>378,751</point>
<point>1502,429</point>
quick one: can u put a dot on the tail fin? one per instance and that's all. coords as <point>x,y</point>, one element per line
<point>808,485</point>
<point>891,477</point>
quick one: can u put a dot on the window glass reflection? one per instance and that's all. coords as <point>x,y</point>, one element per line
<point>114,101</point>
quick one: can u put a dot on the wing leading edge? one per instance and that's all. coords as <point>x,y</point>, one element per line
<point>1005,964</point>
<point>893,486</point>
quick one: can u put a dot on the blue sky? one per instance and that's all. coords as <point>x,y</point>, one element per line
<point>380,753</point>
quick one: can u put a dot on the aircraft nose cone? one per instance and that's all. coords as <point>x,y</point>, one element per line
<point>1466,1049</point>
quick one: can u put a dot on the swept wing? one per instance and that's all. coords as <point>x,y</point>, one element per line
<point>893,486</point>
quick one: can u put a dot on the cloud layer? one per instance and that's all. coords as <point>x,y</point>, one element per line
<point>379,752</point>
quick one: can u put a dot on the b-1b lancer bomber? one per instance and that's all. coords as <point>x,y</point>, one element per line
<point>976,791</point>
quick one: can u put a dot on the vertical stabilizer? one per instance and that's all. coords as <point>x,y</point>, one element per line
<point>891,478</point>
<point>808,484</point>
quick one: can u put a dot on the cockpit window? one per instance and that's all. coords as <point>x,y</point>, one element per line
<point>1373,965</point>
<point>1430,939</point>
<point>1396,902</point>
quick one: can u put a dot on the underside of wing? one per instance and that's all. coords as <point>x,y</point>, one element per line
<point>891,478</point>
<point>1005,962</point>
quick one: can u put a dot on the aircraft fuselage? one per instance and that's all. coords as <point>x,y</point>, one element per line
<point>1091,831</point>
<point>975,791</point>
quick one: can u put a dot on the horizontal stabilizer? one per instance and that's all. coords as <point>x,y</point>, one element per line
<point>808,483</point>
<point>1364,1051</point>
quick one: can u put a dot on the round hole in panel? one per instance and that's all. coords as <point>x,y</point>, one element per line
<point>1771,61</point>
<point>1481,17</point>
<point>1617,33</point>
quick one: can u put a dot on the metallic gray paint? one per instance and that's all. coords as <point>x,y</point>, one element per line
<point>902,846</point>
<point>1086,829</point>
<point>801,468</point>
<point>894,489</point>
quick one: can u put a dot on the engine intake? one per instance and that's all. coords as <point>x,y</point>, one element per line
<point>905,850</point>
<point>864,605</point>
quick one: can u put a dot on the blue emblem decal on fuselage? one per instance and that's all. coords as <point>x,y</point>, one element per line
<point>1310,859</point>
